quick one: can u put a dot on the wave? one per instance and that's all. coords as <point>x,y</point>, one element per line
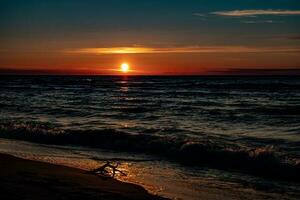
<point>261,161</point>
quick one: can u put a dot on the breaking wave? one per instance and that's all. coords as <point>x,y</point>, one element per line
<point>260,161</point>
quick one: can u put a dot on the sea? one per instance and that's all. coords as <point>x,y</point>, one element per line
<point>181,137</point>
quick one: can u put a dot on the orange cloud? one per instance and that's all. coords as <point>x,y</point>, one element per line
<point>244,13</point>
<point>187,49</point>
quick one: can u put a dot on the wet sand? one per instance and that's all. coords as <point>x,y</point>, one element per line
<point>25,179</point>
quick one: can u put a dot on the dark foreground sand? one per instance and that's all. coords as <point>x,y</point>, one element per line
<point>25,179</point>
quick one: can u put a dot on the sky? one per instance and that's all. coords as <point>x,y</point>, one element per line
<point>155,37</point>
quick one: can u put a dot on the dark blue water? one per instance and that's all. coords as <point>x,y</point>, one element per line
<point>247,124</point>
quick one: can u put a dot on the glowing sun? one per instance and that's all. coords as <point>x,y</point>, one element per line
<point>124,67</point>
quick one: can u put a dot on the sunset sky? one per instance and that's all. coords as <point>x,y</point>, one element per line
<point>155,37</point>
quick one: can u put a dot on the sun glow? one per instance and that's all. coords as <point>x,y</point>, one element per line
<point>125,67</point>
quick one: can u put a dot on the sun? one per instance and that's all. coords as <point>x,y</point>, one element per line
<point>124,67</point>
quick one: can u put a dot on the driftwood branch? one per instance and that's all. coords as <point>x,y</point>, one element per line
<point>103,170</point>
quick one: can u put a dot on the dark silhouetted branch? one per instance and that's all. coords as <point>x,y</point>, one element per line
<point>104,172</point>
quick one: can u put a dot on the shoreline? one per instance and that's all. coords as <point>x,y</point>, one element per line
<point>26,179</point>
<point>260,161</point>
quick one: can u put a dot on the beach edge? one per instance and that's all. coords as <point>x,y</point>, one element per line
<point>27,179</point>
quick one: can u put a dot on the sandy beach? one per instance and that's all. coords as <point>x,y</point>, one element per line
<point>25,179</point>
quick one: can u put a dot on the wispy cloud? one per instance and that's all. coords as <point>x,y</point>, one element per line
<point>262,22</point>
<point>186,49</point>
<point>249,13</point>
<point>296,37</point>
<point>199,14</point>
